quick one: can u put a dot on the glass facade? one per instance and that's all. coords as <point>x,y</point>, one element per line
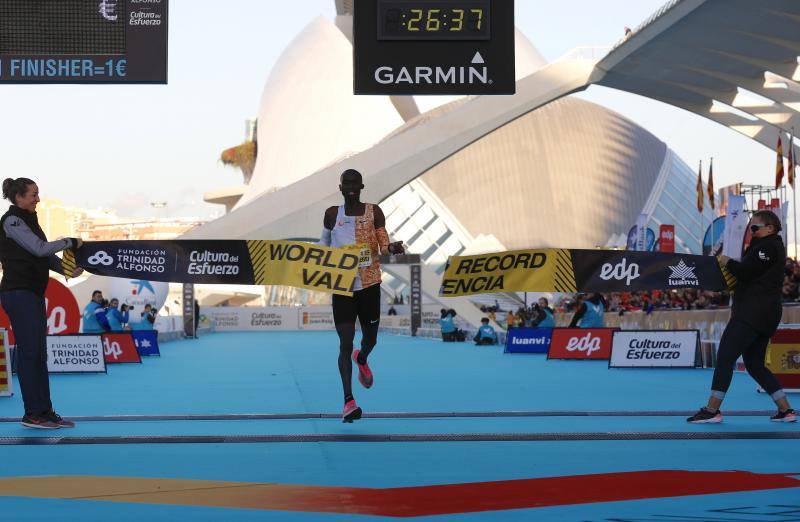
<point>677,205</point>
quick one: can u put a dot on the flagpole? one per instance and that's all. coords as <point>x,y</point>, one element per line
<point>710,195</point>
<point>794,192</point>
<point>702,207</point>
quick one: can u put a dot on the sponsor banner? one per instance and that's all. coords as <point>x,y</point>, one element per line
<point>641,233</point>
<point>783,357</point>
<point>316,318</point>
<point>6,382</point>
<point>189,328</point>
<point>415,297</point>
<point>528,340</point>
<point>615,271</point>
<point>136,293</point>
<point>63,314</point>
<point>581,343</point>
<point>75,354</point>
<point>118,347</point>
<point>247,318</point>
<point>146,342</point>
<point>654,349</point>
<point>569,271</point>
<point>666,238</point>
<point>290,263</point>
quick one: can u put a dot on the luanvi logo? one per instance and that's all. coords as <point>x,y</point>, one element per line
<point>683,275</point>
<point>476,72</point>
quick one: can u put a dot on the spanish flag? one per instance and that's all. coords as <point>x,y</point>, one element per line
<point>779,165</point>
<point>700,188</point>
<point>711,184</point>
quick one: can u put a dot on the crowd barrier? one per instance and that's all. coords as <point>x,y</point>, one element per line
<point>710,323</point>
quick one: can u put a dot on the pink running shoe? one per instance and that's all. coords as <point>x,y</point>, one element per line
<point>364,373</point>
<point>351,412</point>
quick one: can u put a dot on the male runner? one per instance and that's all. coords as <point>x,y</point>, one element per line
<point>359,225</point>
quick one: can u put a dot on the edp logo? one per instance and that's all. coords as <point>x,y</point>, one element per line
<point>622,271</point>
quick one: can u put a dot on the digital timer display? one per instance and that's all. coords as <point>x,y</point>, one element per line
<point>434,20</point>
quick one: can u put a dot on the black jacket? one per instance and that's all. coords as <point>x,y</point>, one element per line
<point>28,259</point>
<point>759,275</point>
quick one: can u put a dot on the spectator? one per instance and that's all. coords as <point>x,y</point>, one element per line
<point>117,320</point>
<point>486,334</point>
<point>94,315</point>
<point>510,320</point>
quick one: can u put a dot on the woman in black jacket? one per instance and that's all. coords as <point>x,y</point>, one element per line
<point>755,315</point>
<point>27,259</point>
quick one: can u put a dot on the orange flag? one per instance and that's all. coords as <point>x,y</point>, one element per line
<point>779,165</point>
<point>711,184</point>
<point>700,188</point>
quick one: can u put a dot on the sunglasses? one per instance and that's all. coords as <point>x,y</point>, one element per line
<point>756,228</point>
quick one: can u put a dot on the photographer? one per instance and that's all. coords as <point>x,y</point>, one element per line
<point>544,315</point>
<point>486,334</point>
<point>94,315</point>
<point>447,325</point>
<point>148,318</point>
<point>117,320</point>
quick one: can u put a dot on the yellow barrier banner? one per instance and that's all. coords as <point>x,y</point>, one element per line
<point>547,270</point>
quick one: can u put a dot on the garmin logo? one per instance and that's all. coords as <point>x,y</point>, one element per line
<point>475,73</point>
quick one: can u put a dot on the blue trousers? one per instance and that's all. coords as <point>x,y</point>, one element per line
<point>28,316</point>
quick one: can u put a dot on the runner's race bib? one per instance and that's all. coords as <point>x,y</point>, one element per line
<point>364,256</point>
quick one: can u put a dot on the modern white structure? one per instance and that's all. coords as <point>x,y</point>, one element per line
<point>531,170</point>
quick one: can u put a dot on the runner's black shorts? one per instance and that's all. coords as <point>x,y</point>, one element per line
<point>364,304</point>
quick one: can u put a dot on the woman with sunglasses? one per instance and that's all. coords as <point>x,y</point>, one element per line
<point>755,315</point>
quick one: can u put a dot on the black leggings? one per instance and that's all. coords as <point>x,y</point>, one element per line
<point>28,317</point>
<point>366,306</point>
<point>740,339</point>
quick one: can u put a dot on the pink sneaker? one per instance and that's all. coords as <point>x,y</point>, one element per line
<point>364,373</point>
<point>351,411</point>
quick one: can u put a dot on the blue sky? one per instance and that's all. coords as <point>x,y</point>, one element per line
<point>126,146</point>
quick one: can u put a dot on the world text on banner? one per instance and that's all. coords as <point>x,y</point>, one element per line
<point>290,263</point>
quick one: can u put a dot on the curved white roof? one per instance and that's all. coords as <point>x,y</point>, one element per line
<point>305,124</point>
<point>308,116</point>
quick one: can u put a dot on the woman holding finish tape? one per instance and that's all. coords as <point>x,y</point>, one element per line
<point>755,315</point>
<point>27,258</point>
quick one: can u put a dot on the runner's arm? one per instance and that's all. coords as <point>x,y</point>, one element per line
<point>385,246</point>
<point>328,222</point>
